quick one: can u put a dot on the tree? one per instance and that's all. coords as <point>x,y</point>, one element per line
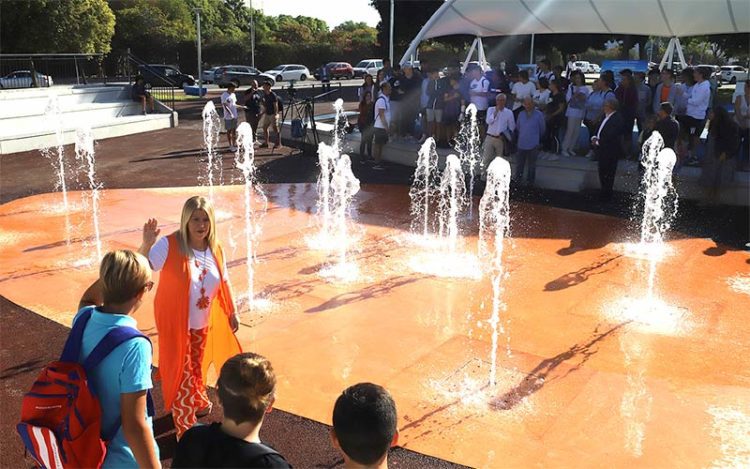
<point>151,26</point>
<point>350,35</point>
<point>84,26</point>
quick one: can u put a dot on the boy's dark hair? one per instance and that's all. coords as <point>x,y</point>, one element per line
<point>653,71</point>
<point>626,72</point>
<point>543,83</point>
<point>246,387</point>
<point>364,421</point>
<point>666,106</point>
<point>524,74</point>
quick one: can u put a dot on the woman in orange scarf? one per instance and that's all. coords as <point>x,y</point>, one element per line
<point>194,309</point>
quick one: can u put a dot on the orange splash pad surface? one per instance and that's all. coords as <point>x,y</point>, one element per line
<point>592,376</point>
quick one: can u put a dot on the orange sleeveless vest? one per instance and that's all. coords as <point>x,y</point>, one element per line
<point>171,316</point>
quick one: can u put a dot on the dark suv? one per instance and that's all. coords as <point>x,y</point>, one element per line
<point>337,70</point>
<point>240,75</point>
<point>165,75</point>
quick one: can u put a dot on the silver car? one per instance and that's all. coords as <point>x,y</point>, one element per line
<point>22,79</point>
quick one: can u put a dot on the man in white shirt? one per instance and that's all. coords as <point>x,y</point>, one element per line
<point>544,70</point>
<point>697,109</point>
<point>229,105</point>
<point>382,121</point>
<point>500,127</point>
<point>521,90</point>
<point>479,91</point>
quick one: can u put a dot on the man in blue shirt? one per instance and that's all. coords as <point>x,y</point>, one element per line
<point>122,380</point>
<point>530,127</point>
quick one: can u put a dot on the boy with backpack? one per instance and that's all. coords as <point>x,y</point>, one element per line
<point>105,358</point>
<point>246,389</point>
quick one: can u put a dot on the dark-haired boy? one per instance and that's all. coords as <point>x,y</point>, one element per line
<point>246,390</point>
<point>364,426</point>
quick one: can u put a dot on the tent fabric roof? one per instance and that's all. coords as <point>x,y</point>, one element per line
<point>669,18</point>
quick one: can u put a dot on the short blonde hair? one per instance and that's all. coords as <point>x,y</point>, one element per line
<point>123,274</point>
<point>192,204</point>
<point>246,387</point>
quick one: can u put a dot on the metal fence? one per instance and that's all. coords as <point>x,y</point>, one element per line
<point>44,70</point>
<point>160,86</point>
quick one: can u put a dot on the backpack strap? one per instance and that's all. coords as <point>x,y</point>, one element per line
<point>72,349</point>
<point>111,341</point>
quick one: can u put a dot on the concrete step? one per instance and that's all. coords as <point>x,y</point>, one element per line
<point>81,115</point>
<point>113,127</point>
<point>16,103</point>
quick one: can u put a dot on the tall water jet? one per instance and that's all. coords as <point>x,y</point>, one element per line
<point>344,186</point>
<point>339,126</point>
<point>244,160</point>
<point>494,223</point>
<point>211,134</point>
<point>423,187</point>
<point>54,118</point>
<point>327,158</point>
<point>84,148</point>
<point>468,146</point>
<point>659,200</point>
<point>452,201</point>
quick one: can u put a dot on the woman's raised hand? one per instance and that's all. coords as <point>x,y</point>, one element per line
<point>150,232</point>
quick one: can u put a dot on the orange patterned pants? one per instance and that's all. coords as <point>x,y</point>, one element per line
<point>191,393</point>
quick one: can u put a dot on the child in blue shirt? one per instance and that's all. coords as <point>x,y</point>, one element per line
<point>122,380</point>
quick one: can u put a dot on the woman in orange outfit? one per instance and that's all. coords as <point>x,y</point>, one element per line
<point>193,307</point>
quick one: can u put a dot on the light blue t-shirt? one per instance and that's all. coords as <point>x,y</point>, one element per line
<point>127,369</point>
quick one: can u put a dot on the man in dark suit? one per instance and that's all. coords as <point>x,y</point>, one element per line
<point>607,144</point>
<point>666,125</point>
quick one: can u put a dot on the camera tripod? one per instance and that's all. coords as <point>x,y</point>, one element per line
<point>301,115</point>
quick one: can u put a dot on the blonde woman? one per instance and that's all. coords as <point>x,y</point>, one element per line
<point>194,309</point>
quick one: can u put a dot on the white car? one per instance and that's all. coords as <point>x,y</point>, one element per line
<point>733,73</point>
<point>594,68</point>
<point>207,76</point>
<point>367,67</point>
<point>22,79</point>
<point>289,72</point>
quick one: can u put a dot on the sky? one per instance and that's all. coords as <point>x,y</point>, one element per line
<point>333,12</point>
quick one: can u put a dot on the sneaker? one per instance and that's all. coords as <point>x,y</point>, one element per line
<point>590,154</point>
<point>233,149</point>
<point>144,113</point>
<point>378,167</point>
<point>553,157</point>
<point>276,146</point>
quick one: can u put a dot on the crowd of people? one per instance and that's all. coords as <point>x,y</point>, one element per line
<point>541,113</point>
<point>196,319</point>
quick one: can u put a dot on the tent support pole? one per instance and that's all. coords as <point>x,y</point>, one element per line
<point>531,50</point>
<point>468,56</point>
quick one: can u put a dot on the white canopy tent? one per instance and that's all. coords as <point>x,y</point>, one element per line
<point>667,18</point>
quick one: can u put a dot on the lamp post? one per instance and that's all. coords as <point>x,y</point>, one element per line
<point>390,52</point>
<point>200,64</point>
<point>249,4</point>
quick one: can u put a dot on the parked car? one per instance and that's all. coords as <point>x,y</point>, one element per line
<point>336,70</point>
<point>289,72</point>
<point>240,75</point>
<point>415,65</point>
<point>367,67</point>
<point>22,79</point>
<point>207,76</point>
<point>165,75</point>
<point>594,68</point>
<point>733,73</point>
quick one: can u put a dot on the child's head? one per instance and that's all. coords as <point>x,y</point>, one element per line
<point>543,83</point>
<point>246,388</point>
<point>125,276</point>
<point>364,423</point>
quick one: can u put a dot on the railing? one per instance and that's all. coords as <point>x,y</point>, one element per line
<point>161,87</point>
<point>44,70</point>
